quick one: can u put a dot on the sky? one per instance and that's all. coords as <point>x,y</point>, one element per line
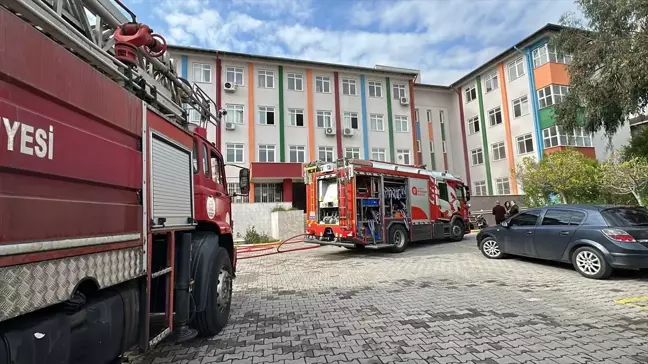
<point>444,39</point>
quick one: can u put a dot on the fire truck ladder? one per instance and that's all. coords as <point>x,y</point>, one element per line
<point>87,28</point>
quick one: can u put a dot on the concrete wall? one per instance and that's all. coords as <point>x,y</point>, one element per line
<point>254,214</point>
<point>287,224</point>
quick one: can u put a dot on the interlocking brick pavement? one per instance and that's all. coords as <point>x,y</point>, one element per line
<point>435,303</point>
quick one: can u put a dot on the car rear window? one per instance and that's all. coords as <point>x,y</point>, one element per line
<point>626,216</point>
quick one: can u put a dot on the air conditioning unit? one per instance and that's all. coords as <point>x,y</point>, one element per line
<point>329,131</point>
<point>348,132</point>
<point>230,126</point>
<point>230,86</point>
<point>404,101</point>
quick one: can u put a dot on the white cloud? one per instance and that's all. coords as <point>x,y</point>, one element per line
<point>444,39</point>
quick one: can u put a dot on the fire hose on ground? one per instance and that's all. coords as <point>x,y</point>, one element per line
<point>273,248</point>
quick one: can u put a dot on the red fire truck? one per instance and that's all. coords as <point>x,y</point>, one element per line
<point>115,218</point>
<point>370,204</point>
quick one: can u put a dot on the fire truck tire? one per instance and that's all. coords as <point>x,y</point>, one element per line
<point>213,318</point>
<point>457,229</point>
<point>399,238</point>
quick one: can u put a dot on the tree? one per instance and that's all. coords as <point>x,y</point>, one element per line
<point>629,176</point>
<point>567,173</point>
<point>608,79</point>
<point>638,146</point>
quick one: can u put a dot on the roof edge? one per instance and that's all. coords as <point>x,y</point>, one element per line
<point>293,61</point>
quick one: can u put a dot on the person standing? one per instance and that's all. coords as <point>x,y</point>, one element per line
<point>514,209</point>
<point>499,212</point>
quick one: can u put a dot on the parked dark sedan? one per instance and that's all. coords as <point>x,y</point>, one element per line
<point>595,239</point>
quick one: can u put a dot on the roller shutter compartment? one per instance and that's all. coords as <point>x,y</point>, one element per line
<point>172,184</point>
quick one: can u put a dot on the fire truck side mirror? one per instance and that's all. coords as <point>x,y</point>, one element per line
<point>467,194</point>
<point>244,181</point>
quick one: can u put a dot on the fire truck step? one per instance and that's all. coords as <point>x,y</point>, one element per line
<point>161,272</point>
<point>378,246</point>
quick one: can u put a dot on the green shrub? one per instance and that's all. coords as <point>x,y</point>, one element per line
<point>254,237</point>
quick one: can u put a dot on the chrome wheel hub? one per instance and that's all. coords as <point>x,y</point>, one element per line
<point>491,248</point>
<point>224,289</point>
<point>399,238</point>
<point>588,262</point>
<point>456,230</point>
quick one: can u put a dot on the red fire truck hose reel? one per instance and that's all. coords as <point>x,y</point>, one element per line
<point>130,36</point>
<point>275,248</point>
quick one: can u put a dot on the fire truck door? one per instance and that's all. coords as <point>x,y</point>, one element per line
<point>218,202</point>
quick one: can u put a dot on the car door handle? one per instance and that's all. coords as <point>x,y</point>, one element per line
<point>529,232</point>
<point>564,233</point>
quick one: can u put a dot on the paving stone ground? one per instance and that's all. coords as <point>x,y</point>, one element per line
<point>434,303</point>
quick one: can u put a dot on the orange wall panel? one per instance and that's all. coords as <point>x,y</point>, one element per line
<point>551,73</point>
<point>589,152</point>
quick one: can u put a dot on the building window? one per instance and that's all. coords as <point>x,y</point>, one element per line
<point>471,93</point>
<point>402,123</point>
<point>323,84</point>
<point>495,116</point>
<point>521,106</point>
<point>491,82</point>
<point>473,125</point>
<point>325,154</point>
<point>234,113</point>
<point>546,54</point>
<point>516,69</point>
<point>375,89</point>
<point>324,119</point>
<point>551,95</point>
<point>234,188</point>
<point>234,75</point>
<point>266,79</point>
<point>194,115</point>
<point>525,143</point>
<point>378,154</point>
<point>266,115</point>
<point>349,87</point>
<point>268,192</point>
<point>503,186</point>
<point>431,147</point>
<point>499,151</point>
<point>202,72</point>
<point>403,156</point>
<point>416,114</point>
<point>399,91</point>
<point>418,145</point>
<point>352,152</point>
<point>477,156</point>
<point>480,188</point>
<point>376,122</point>
<point>266,153</point>
<point>296,117</point>
<point>443,147</point>
<point>554,136</point>
<point>429,116</point>
<point>234,152</point>
<point>295,82</point>
<point>297,154</point>
<point>441,117</point>
<point>351,120</point>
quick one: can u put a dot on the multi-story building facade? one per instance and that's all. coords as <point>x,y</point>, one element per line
<point>284,112</point>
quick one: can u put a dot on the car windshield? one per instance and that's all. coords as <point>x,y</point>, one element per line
<point>626,216</point>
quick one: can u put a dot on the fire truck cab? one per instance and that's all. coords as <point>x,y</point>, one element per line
<point>369,204</point>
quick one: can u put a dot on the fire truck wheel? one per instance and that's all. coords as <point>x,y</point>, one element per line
<point>398,238</point>
<point>213,318</point>
<point>457,230</point>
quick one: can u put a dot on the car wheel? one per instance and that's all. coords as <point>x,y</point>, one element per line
<point>591,263</point>
<point>490,248</point>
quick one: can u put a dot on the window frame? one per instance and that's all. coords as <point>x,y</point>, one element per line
<point>349,83</point>
<point>234,71</point>
<point>492,116</point>
<point>524,138</point>
<point>379,152</point>
<point>399,90</point>
<point>491,80</point>
<point>266,75</point>
<point>473,125</point>
<point>399,121</point>
<point>405,154</point>
<point>520,102</point>
<point>202,70</point>
<point>234,150</point>
<point>468,93</point>
<point>324,114</point>
<point>562,138</point>
<point>477,188</point>
<point>297,149</point>
<point>292,117</point>
<point>353,151</point>
<point>378,118</point>
<point>503,181</point>
<point>267,149</point>
<point>513,65</point>
<point>348,117</point>
<point>499,149</point>
<point>265,110</point>
<point>235,109</point>
<point>295,77</point>
<point>476,153</point>
<point>326,149</point>
<point>325,81</point>
<point>376,87</point>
